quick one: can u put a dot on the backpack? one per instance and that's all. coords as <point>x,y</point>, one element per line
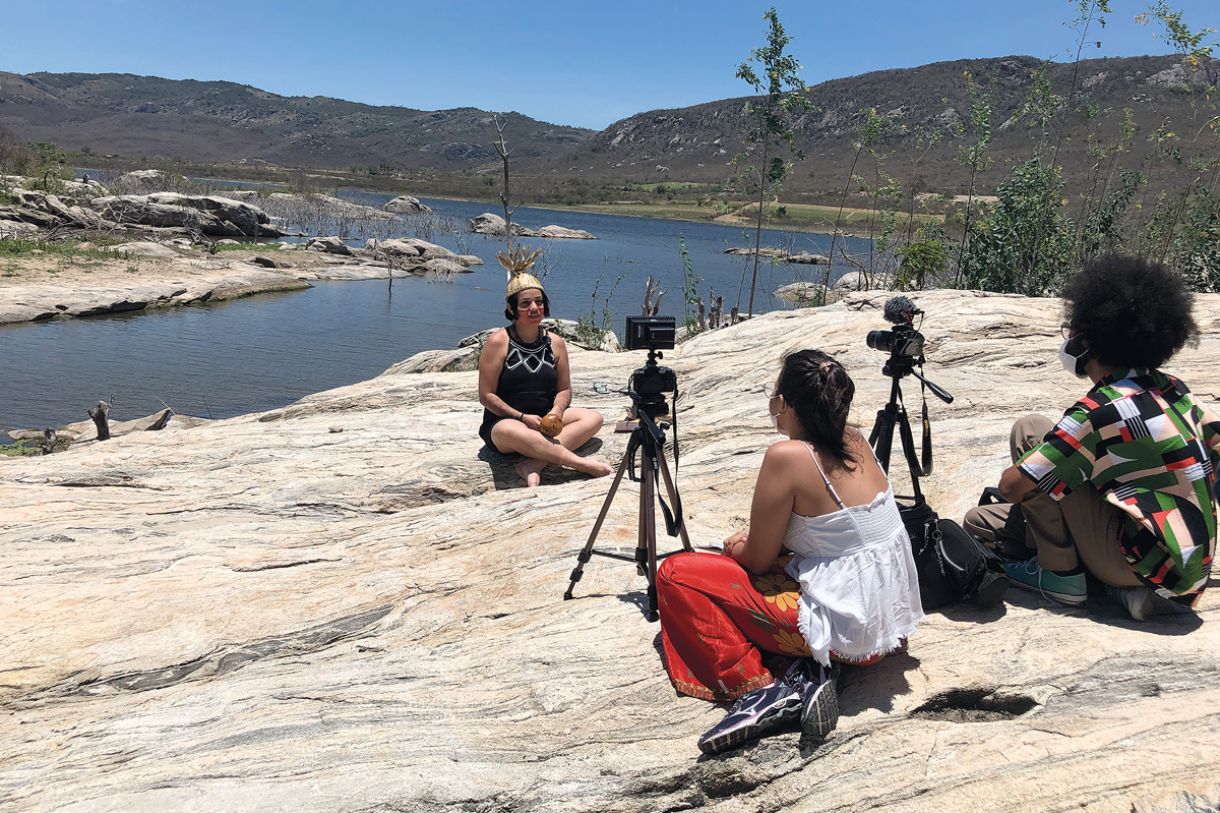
<point>952,565</point>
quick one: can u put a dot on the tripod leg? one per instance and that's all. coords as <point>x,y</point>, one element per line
<point>648,530</point>
<point>587,552</point>
<point>882,437</point>
<point>908,450</point>
<point>673,500</point>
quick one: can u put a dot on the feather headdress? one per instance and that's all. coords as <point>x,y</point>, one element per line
<point>518,261</point>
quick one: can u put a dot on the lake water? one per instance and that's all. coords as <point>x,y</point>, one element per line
<point>266,351</point>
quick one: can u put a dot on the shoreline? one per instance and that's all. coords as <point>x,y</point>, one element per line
<point>733,221</point>
<point>39,290</point>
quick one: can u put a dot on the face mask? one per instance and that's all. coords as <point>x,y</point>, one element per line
<point>774,416</point>
<point>1074,364</point>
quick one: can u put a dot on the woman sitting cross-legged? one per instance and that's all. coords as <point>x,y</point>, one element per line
<point>523,379</point>
<point>825,570</point>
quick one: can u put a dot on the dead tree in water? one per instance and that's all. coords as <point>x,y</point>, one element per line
<point>652,297</point>
<point>502,148</point>
<point>100,415</point>
<point>716,314</point>
<point>161,422</point>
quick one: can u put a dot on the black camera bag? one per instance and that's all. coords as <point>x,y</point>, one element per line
<point>952,565</point>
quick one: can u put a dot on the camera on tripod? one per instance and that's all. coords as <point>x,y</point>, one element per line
<point>950,564</point>
<point>649,383</point>
<point>647,389</point>
<point>904,339</point>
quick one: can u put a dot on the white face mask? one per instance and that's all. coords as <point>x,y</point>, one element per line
<point>1073,364</point>
<point>774,416</point>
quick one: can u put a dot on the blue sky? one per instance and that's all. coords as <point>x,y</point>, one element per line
<point>575,62</point>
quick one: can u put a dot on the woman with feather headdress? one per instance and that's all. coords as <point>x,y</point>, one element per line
<point>524,386</point>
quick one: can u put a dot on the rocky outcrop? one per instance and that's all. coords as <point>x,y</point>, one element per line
<point>209,215</point>
<point>780,255</point>
<point>257,613</point>
<point>143,180</point>
<point>48,211</point>
<point>80,432</point>
<point>144,248</point>
<point>420,256</point>
<point>809,293</point>
<point>492,224</point>
<point>41,302</point>
<point>329,245</point>
<point>806,293</point>
<point>406,205</point>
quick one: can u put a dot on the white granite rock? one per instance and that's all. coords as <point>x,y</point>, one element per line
<point>329,245</point>
<point>406,204</point>
<point>267,613</point>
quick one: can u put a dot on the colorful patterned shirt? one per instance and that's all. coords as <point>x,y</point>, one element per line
<point>1151,450</point>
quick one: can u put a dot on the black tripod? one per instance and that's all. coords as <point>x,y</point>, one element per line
<point>894,414</point>
<point>648,438</point>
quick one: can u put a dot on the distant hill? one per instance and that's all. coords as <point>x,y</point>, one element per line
<point>697,143</point>
<point>137,116</point>
<point>225,122</point>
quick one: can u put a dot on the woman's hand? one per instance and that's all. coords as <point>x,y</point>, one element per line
<point>532,421</point>
<point>735,543</point>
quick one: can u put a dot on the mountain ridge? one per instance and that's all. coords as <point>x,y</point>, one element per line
<point>926,110</point>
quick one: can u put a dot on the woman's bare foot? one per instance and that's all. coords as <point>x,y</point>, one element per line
<point>596,467</point>
<point>530,471</point>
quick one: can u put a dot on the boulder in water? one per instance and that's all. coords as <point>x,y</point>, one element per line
<point>406,205</point>
<point>329,245</point>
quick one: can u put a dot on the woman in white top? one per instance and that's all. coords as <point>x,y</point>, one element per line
<point>847,593</point>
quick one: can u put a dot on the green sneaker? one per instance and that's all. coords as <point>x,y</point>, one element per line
<point>1029,575</point>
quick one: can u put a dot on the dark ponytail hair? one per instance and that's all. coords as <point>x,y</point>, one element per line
<point>820,391</point>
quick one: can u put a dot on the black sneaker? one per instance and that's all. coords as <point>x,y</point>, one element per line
<point>755,714</point>
<point>820,705</point>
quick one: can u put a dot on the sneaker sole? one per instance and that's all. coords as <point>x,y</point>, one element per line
<point>740,736</point>
<point>820,713</point>
<point>1063,598</point>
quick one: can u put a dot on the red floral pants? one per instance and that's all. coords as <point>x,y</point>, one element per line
<point>717,620</point>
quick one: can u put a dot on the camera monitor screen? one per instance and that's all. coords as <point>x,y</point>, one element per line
<point>650,332</point>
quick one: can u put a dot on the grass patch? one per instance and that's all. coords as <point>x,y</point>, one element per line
<point>248,247</point>
<point>796,216</point>
<point>809,216</point>
<point>20,448</point>
<point>671,186</point>
<point>22,247</point>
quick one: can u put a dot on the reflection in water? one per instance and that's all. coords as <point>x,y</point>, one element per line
<point>267,351</point>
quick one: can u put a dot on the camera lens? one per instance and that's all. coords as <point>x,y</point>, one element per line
<point>882,340</point>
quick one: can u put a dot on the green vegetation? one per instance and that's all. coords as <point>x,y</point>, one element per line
<point>247,246</point>
<point>20,448</point>
<point>592,326</point>
<point>690,289</point>
<point>771,133</point>
<point>22,247</point>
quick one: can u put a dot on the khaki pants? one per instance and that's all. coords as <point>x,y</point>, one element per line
<point>1082,528</point>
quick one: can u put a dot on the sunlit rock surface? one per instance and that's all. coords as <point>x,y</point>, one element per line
<point>340,606</point>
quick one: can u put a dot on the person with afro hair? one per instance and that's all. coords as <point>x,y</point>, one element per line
<point>1123,487</point>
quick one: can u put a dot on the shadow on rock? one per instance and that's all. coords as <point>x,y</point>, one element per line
<point>504,474</point>
<point>966,611</point>
<point>876,686</point>
<point>1101,609</point>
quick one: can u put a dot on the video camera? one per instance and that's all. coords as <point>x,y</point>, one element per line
<point>649,383</point>
<point>904,339</point>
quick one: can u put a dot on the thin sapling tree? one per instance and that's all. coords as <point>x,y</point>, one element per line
<point>773,119</point>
